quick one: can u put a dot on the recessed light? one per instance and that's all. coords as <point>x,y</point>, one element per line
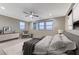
<point>2,7</point>
<point>50,14</point>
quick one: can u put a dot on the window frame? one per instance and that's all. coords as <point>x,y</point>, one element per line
<point>41,25</point>
<point>22,23</point>
<point>49,25</point>
<point>37,24</point>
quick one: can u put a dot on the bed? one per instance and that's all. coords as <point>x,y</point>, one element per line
<point>51,46</point>
<point>48,45</point>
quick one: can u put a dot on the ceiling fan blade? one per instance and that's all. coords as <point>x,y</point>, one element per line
<point>26,13</point>
<point>32,13</point>
<point>35,15</point>
<point>27,16</point>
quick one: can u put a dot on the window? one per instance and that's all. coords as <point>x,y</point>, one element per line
<point>22,25</point>
<point>49,25</point>
<point>41,26</point>
<point>35,26</point>
<point>45,25</point>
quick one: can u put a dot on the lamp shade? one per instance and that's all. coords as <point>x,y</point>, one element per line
<point>60,31</point>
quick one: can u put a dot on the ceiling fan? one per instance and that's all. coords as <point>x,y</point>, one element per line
<point>31,14</point>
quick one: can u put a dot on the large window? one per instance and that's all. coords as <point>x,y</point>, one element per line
<point>41,25</point>
<point>49,25</point>
<point>22,25</point>
<point>35,26</point>
<point>45,25</point>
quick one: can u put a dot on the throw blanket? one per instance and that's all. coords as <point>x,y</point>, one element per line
<point>28,47</point>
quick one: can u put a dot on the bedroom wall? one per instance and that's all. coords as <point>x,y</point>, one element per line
<point>75,17</point>
<point>59,23</point>
<point>8,21</point>
<point>66,23</point>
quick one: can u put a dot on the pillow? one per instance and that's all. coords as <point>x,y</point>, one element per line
<point>59,45</point>
<point>56,43</point>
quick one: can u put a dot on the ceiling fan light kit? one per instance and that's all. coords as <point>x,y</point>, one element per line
<point>31,13</point>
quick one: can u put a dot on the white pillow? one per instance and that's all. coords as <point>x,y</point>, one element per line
<point>57,46</point>
<point>56,43</point>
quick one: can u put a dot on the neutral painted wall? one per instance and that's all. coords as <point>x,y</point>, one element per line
<point>75,17</point>
<point>66,22</point>
<point>8,21</point>
<point>59,23</point>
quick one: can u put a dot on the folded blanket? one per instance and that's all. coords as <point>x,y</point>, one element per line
<point>28,47</point>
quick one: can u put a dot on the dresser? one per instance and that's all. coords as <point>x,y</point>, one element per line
<point>9,36</point>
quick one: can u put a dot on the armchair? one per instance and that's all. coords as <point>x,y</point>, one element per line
<point>26,34</point>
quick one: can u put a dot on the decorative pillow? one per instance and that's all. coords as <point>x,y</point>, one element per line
<point>56,43</point>
<point>59,45</point>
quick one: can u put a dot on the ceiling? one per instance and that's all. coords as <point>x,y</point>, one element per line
<point>44,10</point>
